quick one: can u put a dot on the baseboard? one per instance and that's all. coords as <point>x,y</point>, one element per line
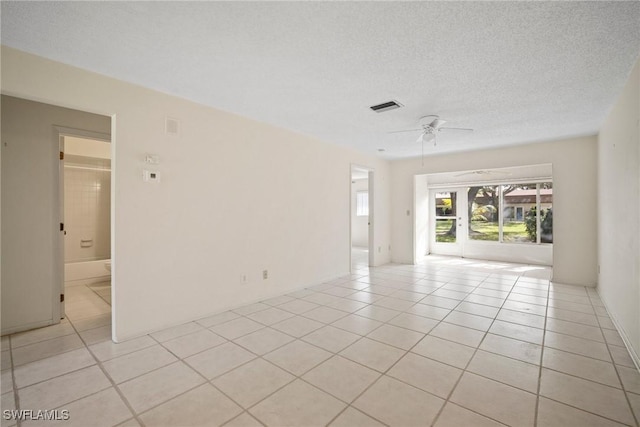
<point>232,307</point>
<point>623,334</point>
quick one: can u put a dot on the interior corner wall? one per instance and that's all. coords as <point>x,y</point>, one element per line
<point>30,210</point>
<point>619,212</point>
<point>574,198</point>
<point>236,197</point>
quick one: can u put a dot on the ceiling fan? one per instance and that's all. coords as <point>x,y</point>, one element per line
<point>431,125</point>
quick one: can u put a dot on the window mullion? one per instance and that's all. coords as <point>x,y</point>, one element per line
<point>538,214</point>
<point>500,213</point>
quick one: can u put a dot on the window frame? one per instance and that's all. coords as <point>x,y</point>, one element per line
<point>362,203</point>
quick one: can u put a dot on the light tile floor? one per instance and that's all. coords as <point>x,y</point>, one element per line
<point>451,342</point>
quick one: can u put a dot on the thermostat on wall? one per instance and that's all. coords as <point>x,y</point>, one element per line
<point>152,159</point>
<point>150,176</point>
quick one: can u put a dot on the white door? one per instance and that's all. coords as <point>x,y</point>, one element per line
<point>447,213</point>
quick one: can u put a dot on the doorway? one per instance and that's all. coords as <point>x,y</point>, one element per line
<point>361,223</point>
<point>507,220</point>
<point>448,214</point>
<point>85,199</point>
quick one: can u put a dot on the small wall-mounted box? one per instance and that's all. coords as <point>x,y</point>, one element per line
<point>152,159</point>
<point>150,176</point>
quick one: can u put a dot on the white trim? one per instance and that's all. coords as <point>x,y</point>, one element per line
<point>536,180</point>
<point>623,335</point>
<point>235,306</point>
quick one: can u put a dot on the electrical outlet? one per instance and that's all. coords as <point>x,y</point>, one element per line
<point>379,249</point>
<point>265,274</point>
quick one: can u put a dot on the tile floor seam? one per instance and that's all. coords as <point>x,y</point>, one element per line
<point>206,381</point>
<point>108,377</point>
<point>615,367</point>
<point>295,378</point>
<point>137,415</point>
<point>338,398</point>
<point>582,378</point>
<point>16,396</point>
<point>542,347</point>
<point>397,285</point>
<point>99,296</point>
<point>52,355</point>
<point>348,404</point>
<point>239,415</point>
<point>464,369</point>
<point>184,362</point>
<point>57,376</point>
<point>45,339</point>
<point>586,411</point>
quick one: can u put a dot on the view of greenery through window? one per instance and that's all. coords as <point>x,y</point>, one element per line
<point>446,223</point>
<point>519,213</point>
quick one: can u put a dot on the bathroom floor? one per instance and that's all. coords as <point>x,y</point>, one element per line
<point>451,342</point>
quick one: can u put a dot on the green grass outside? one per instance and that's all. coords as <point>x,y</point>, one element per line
<point>487,231</point>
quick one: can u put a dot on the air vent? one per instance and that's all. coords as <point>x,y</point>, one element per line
<point>386,106</point>
<point>172,126</point>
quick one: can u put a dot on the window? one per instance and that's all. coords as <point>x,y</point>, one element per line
<point>362,203</point>
<point>509,213</point>
<point>445,215</point>
<point>483,204</point>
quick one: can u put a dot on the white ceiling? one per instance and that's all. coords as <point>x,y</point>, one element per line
<point>516,72</point>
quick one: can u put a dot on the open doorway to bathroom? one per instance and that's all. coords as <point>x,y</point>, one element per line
<point>86,196</point>
<point>361,218</point>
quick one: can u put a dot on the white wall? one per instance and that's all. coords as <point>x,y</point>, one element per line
<point>236,197</point>
<point>619,212</point>
<point>87,147</point>
<point>31,261</point>
<point>574,186</point>
<point>359,224</point>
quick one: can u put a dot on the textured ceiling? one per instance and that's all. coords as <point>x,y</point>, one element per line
<point>514,71</point>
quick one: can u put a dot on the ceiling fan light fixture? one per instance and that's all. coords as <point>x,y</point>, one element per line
<point>429,137</point>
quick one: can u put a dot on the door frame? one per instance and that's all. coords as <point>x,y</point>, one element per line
<point>371,219</point>
<point>60,132</point>
<point>451,249</point>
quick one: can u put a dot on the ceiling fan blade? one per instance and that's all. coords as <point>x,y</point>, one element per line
<point>437,123</point>
<point>464,129</point>
<point>420,138</point>
<point>408,130</point>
